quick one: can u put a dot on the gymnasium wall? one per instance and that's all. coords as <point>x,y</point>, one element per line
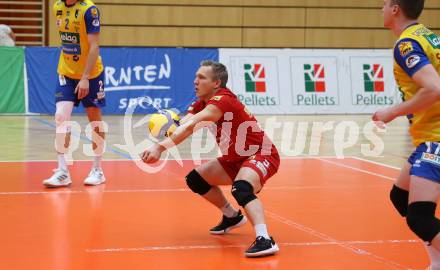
<point>247,23</point>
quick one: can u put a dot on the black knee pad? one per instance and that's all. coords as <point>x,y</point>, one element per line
<point>399,198</point>
<point>243,192</point>
<point>422,221</point>
<point>196,183</point>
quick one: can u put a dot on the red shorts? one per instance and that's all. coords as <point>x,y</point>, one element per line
<point>264,165</point>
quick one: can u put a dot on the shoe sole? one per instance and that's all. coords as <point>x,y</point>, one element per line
<point>90,184</point>
<point>55,186</point>
<point>241,223</point>
<point>266,252</point>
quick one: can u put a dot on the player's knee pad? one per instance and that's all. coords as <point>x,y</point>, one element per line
<point>243,192</point>
<point>399,198</point>
<point>196,183</point>
<point>422,221</point>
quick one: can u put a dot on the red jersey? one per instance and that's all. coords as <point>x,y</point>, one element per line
<point>238,133</point>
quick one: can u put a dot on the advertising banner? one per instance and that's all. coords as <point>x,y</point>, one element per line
<point>147,78</point>
<point>291,81</point>
<point>12,98</point>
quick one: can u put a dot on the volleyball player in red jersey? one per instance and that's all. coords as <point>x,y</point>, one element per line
<point>248,159</point>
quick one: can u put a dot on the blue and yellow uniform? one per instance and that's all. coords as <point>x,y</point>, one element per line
<point>416,47</point>
<point>74,23</point>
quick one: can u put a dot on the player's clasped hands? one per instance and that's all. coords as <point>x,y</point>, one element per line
<point>152,154</point>
<point>82,89</point>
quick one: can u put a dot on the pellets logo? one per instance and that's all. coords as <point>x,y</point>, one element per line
<point>372,83</point>
<point>314,82</point>
<point>255,78</point>
<point>314,77</point>
<point>373,78</point>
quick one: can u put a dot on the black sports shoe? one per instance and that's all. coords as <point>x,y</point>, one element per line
<point>229,223</point>
<point>262,247</point>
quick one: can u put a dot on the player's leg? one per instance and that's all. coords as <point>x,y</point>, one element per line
<point>205,181</point>
<point>93,103</point>
<point>399,192</point>
<point>65,99</point>
<point>98,135</point>
<point>424,192</point>
<point>423,198</point>
<point>399,197</point>
<point>248,182</point>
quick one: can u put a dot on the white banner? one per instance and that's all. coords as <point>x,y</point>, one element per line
<point>289,81</point>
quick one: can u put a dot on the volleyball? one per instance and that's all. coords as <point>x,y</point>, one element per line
<point>163,123</point>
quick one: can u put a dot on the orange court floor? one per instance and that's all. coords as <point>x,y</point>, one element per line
<point>324,213</point>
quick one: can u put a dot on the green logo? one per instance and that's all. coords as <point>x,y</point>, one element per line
<point>255,78</point>
<point>314,77</point>
<point>434,40</point>
<point>373,78</point>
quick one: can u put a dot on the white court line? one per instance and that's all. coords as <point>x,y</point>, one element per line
<point>375,162</point>
<point>345,245</point>
<point>54,160</point>
<point>121,159</point>
<point>171,190</point>
<point>356,169</point>
<point>90,189</point>
<point>284,244</point>
<point>321,158</point>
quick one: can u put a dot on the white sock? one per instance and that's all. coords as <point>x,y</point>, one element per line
<point>62,162</point>
<point>261,230</point>
<point>229,211</point>
<point>97,162</point>
<point>434,256</point>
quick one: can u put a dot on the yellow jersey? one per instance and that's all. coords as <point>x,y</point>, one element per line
<point>416,47</point>
<point>74,24</point>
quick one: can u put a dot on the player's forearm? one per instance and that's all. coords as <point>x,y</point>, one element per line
<point>185,118</point>
<point>182,132</point>
<point>422,100</point>
<point>91,61</point>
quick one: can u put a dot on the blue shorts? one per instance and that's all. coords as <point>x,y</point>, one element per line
<point>65,91</point>
<point>425,161</point>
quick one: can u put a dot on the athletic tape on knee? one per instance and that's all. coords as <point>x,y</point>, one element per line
<point>422,221</point>
<point>62,126</point>
<point>243,192</point>
<point>399,198</point>
<point>196,183</point>
<point>62,116</point>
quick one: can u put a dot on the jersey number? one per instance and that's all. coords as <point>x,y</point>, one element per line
<point>67,24</point>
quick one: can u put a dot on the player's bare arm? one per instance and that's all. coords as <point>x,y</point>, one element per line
<point>429,93</point>
<point>185,118</point>
<point>82,89</point>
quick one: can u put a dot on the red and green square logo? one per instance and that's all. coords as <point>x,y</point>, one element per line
<point>255,78</point>
<point>373,78</point>
<point>314,77</point>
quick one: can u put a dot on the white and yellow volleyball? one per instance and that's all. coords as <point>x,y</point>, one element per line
<point>163,123</point>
